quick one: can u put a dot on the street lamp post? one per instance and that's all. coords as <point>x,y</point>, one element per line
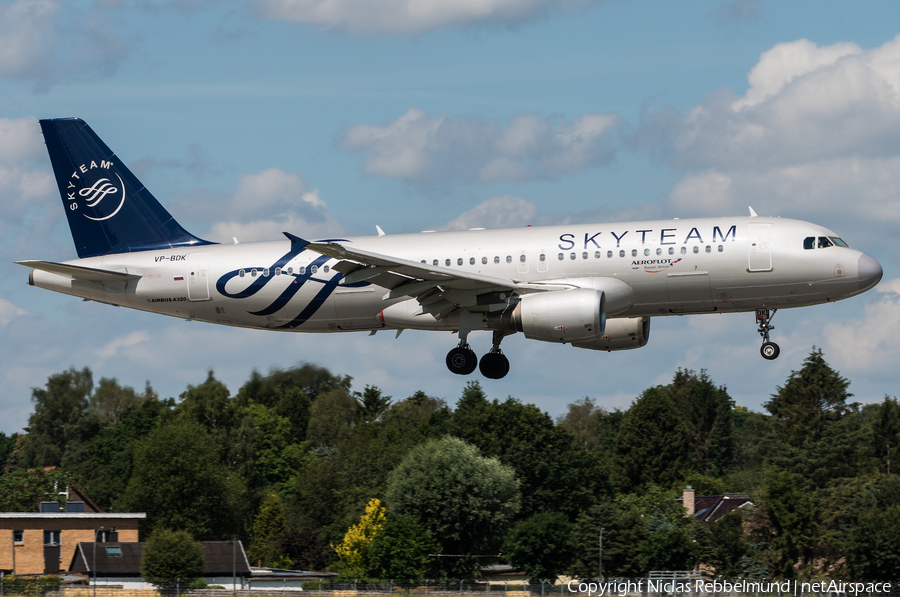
<point>601,553</point>
<point>94,565</point>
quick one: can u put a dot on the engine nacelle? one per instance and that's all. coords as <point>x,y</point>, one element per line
<point>566,316</point>
<point>621,334</point>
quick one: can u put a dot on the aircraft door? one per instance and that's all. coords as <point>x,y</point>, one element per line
<point>543,261</point>
<point>198,277</point>
<point>759,247</point>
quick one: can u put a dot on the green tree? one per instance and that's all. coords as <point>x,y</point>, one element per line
<point>582,420</point>
<point>465,500</point>
<point>811,398</point>
<point>110,400</point>
<point>21,490</point>
<point>559,476</point>
<point>886,433</point>
<point>7,445</point>
<point>58,420</point>
<point>400,549</point>
<point>268,527</point>
<point>306,548</point>
<point>371,405</point>
<point>789,511</point>
<point>331,418</point>
<point>542,545</point>
<point>653,444</point>
<point>179,482</point>
<point>724,547</point>
<point>171,558</point>
<point>707,413</point>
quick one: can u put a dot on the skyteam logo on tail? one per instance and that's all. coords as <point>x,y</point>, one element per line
<point>96,189</point>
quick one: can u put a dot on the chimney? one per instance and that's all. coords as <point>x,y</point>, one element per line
<point>688,500</point>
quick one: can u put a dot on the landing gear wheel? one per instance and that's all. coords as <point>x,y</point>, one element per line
<point>462,360</point>
<point>494,365</point>
<point>770,351</point>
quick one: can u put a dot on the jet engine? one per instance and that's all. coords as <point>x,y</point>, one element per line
<point>621,334</point>
<point>566,316</point>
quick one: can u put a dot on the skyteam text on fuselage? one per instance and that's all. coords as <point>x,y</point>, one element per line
<point>592,286</point>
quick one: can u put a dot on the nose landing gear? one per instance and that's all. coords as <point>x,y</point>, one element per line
<point>769,350</point>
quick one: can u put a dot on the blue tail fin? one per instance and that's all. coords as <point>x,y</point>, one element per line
<point>108,208</point>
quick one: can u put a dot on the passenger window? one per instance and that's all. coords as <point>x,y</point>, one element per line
<point>721,248</point>
<point>509,259</point>
<point>708,249</point>
<point>684,250</point>
<point>484,261</point>
<point>561,256</point>
<point>266,273</point>
<point>659,251</point>
<point>571,255</point>
<point>253,272</point>
<point>609,254</point>
<point>302,269</point>
<point>447,262</point>
<point>646,252</point>
<point>671,250</point>
<point>634,252</point>
<point>326,269</point>
<point>471,261</point>
<point>824,243</point>
<point>596,254</point>
<point>290,271</point>
<point>459,261</point>
<point>621,253</point>
<point>809,242</point>
<point>584,255</point>
<point>313,269</point>
<point>435,262</point>
<point>277,271</point>
<point>696,250</point>
<point>241,273</point>
<point>496,259</point>
<point>522,257</point>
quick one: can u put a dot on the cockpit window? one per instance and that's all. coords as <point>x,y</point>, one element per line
<point>809,242</point>
<point>824,242</point>
<point>839,242</point>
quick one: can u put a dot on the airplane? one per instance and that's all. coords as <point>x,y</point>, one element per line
<point>594,286</point>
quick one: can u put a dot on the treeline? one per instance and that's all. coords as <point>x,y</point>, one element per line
<point>314,475</point>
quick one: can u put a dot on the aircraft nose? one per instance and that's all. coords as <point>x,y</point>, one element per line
<point>869,272</point>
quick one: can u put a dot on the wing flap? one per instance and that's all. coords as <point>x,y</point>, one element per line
<point>80,272</point>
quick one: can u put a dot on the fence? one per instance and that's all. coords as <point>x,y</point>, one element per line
<point>619,587</point>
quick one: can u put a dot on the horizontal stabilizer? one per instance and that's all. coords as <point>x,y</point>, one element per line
<point>79,272</point>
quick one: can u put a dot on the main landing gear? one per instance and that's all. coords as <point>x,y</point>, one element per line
<point>769,350</point>
<point>494,365</point>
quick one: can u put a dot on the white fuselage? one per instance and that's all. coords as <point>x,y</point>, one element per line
<point>674,267</point>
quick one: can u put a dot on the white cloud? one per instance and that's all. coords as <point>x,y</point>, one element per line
<point>410,16</point>
<point>8,312</point>
<point>43,42</point>
<point>115,347</point>
<point>869,343</point>
<point>270,202</point>
<point>436,149</point>
<point>498,212</point>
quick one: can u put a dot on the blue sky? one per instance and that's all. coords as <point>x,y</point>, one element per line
<point>246,118</point>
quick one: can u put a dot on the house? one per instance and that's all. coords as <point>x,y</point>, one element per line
<point>42,542</point>
<point>709,508</point>
<point>119,564</point>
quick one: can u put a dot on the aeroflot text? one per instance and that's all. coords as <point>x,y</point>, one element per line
<point>623,588</point>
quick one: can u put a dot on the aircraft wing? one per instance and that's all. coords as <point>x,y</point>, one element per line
<point>79,272</point>
<point>435,287</point>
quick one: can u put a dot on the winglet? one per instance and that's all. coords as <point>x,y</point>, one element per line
<point>297,243</point>
<point>380,231</point>
<point>752,213</point>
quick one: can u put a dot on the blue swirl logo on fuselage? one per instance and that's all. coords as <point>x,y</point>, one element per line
<point>299,280</point>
